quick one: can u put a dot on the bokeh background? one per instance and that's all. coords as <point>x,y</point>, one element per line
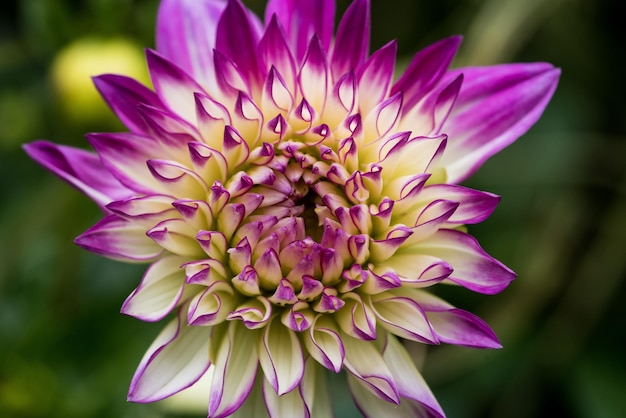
<point>65,351</point>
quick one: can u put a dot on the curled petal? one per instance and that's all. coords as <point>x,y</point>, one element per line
<point>159,290</point>
<point>176,236</point>
<point>356,318</point>
<point>212,306</point>
<point>375,77</point>
<point>176,359</point>
<point>254,314</point>
<point>453,325</point>
<point>323,343</point>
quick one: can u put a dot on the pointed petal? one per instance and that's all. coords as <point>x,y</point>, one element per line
<point>496,106</point>
<point>404,317</point>
<point>125,155</point>
<point>323,343</point>
<point>426,69</point>
<point>352,40</point>
<point>301,20</point>
<point>119,239</point>
<point>237,38</point>
<point>81,169</point>
<point>123,94</point>
<point>474,206</point>
<point>173,85</point>
<point>375,77</point>
<point>410,382</point>
<point>274,52</point>
<point>472,267</point>
<point>235,370</point>
<point>453,325</point>
<point>290,404</point>
<point>176,359</point>
<point>364,361</point>
<point>159,290</point>
<point>186,33</point>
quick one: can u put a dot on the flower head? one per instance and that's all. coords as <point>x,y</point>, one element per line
<point>296,203</point>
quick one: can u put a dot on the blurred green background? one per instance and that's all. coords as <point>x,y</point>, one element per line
<point>65,351</point>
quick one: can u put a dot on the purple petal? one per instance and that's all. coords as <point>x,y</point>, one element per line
<point>125,155</point>
<point>314,76</point>
<point>456,326</point>
<point>186,35</point>
<point>173,85</point>
<point>352,40</point>
<point>274,52</point>
<point>426,69</point>
<point>176,359</point>
<point>302,20</point>
<point>119,239</point>
<point>81,169</point>
<point>496,105</point>
<point>237,38</point>
<point>123,94</point>
<point>235,370</point>
<point>474,206</point>
<point>472,267</point>
<point>176,236</point>
<point>375,77</point>
<point>159,290</point>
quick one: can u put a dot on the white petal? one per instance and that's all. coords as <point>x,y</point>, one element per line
<point>159,290</point>
<point>235,370</point>
<point>176,359</point>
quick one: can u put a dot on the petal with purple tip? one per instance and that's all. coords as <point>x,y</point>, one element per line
<point>352,39</point>
<point>323,343</point>
<point>474,206</point>
<point>426,69</point>
<point>79,168</point>
<point>123,94</point>
<point>303,19</point>
<point>119,239</point>
<point>185,35</point>
<point>472,267</point>
<point>496,105</point>
<point>176,359</point>
<point>237,38</point>
<point>173,85</point>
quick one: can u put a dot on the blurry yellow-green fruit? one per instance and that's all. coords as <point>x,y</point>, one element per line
<point>78,62</point>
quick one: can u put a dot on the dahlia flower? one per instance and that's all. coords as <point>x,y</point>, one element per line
<point>296,203</point>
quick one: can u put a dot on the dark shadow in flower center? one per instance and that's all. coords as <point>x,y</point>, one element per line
<point>312,226</point>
